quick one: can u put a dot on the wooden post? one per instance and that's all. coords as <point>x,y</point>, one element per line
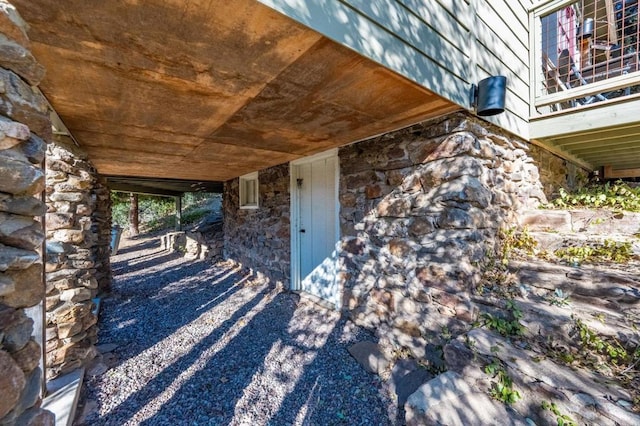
<point>133,215</point>
<point>179,213</point>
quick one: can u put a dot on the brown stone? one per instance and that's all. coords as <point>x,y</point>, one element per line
<point>360,180</point>
<point>69,329</point>
<point>18,59</point>
<point>373,191</point>
<point>7,286</point>
<point>26,206</point>
<point>12,381</point>
<point>12,258</point>
<point>56,221</point>
<point>18,177</point>
<point>7,142</point>
<point>12,25</point>
<point>28,357</point>
<point>421,226</point>
<point>73,236</point>
<point>394,207</point>
<point>21,103</point>
<point>28,285</point>
<point>76,295</point>
<point>400,248</point>
<point>353,246</point>
<point>20,231</point>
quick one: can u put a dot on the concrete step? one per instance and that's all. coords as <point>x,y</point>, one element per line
<point>62,396</point>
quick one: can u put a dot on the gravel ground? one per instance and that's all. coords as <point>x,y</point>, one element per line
<point>204,344</point>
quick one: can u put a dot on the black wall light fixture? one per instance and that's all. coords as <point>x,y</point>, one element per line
<point>488,96</point>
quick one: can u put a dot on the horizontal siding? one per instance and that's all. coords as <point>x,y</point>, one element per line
<point>444,45</point>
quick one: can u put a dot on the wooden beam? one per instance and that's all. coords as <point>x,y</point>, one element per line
<point>609,173</point>
<point>139,189</point>
<point>598,116</point>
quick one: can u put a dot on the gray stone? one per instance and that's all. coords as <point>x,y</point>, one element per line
<point>449,400</point>
<point>7,286</point>
<point>31,392</point>
<point>107,347</point>
<point>20,231</point>
<point>19,60</point>
<point>21,103</point>
<point>76,295</point>
<point>12,381</point>
<point>409,383</point>
<point>28,357</point>
<point>12,258</point>
<point>369,356</point>
<point>28,285</point>
<point>18,333</point>
<point>17,177</point>
<point>34,149</point>
<point>36,417</point>
<point>26,206</point>
<point>465,189</point>
<point>457,356</point>
<point>73,197</point>
<point>13,130</point>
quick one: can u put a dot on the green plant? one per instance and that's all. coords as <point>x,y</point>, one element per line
<point>589,339</point>
<point>609,250</point>
<point>562,419</point>
<point>514,239</point>
<point>559,298</point>
<point>509,326</point>
<point>616,196</point>
<point>502,389</point>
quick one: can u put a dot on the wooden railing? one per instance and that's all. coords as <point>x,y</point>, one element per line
<point>583,52</point>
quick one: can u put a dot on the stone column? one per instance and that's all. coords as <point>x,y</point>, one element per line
<point>24,128</point>
<point>78,224</point>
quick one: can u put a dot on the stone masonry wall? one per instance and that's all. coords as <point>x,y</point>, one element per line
<point>419,208</point>
<point>24,130</point>
<point>260,238</point>
<point>78,226</point>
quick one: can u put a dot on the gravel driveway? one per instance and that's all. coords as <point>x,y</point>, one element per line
<point>203,344</point>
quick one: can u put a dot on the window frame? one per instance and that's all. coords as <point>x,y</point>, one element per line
<point>245,180</point>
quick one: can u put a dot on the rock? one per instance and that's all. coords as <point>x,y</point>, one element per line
<point>20,60</point>
<point>7,285</point>
<point>28,357</point>
<point>12,24</point>
<point>20,231</point>
<point>21,103</point>
<point>26,206</point>
<point>18,332</point>
<point>457,356</point>
<point>369,356</point>
<point>545,220</point>
<point>73,236</point>
<point>76,295</point>
<point>96,368</point>
<point>73,197</point>
<point>29,288</point>
<point>449,400</point>
<point>31,392</point>
<point>36,417</point>
<point>409,383</point>
<point>17,177</point>
<point>12,382</point>
<point>107,347</point>
<point>18,132</point>
<point>34,149</point>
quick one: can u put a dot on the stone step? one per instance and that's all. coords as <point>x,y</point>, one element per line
<point>552,241</point>
<point>585,221</point>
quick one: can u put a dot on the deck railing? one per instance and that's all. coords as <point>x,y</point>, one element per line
<point>584,52</point>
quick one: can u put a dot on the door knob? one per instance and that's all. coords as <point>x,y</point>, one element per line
<point>303,231</point>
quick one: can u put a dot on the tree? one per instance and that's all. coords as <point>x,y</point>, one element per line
<point>133,215</point>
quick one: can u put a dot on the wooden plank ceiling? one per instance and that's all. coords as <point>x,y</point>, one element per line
<point>208,90</point>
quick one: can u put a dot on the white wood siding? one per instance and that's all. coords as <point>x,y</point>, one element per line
<point>444,45</point>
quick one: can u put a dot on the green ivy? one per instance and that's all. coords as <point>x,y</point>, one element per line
<point>509,326</point>
<point>502,389</point>
<point>609,250</point>
<point>616,196</point>
<point>562,419</point>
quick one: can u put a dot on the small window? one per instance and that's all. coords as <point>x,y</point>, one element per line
<point>249,191</point>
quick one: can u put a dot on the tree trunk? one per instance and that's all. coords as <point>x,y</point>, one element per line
<point>133,215</point>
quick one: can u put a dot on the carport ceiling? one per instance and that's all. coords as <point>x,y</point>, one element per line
<point>208,90</point>
<point>161,186</point>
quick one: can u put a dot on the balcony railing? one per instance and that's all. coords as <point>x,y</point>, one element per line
<point>584,52</point>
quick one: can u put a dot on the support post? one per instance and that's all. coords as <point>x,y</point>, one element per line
<point>133,215</point>
<point>179,213</point>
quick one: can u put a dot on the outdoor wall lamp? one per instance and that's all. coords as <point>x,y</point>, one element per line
<point>488,96</point>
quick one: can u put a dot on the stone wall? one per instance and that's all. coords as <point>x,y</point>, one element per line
<point>260,238</point>
<point>24,129</point>
<point>78,226</point>
<point>419,208</point>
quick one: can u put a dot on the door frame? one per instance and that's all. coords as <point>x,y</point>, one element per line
<point>295,209</point>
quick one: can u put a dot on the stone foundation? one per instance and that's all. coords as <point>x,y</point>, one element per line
<point>260,238</point>
<point>419,208</point>
<point>78,225</point>
<point>24,128</point>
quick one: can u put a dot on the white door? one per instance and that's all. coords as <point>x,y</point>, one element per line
<point>315,230</point>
